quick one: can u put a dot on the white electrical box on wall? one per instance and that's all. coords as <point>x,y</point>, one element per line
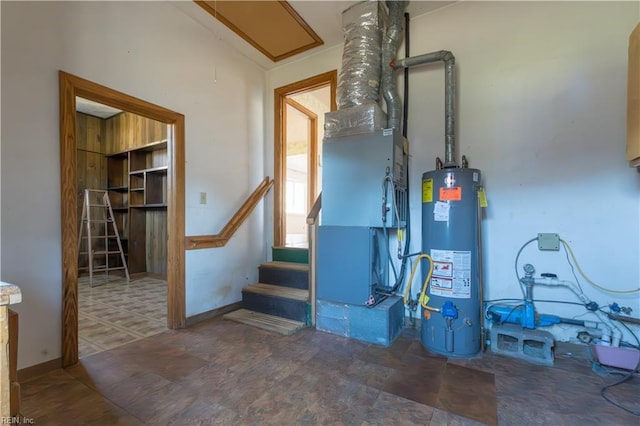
<point>549,242</point>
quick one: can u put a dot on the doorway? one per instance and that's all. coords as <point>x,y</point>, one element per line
<point>70,88</point>
<point>299,129</point>
<point>122,260</point>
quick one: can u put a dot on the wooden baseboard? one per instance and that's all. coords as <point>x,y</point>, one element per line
<point>213,313</point>
<point>138,275</point>
<point>38,369</point>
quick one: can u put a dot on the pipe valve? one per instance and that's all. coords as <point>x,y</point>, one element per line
<point>449,311</point>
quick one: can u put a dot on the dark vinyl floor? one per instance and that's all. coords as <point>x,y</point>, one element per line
<point>221,372</point>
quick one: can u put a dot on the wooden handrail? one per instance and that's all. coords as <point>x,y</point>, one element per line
<point>312,217</point>
<point>220,239</point>
<point>312,238</point>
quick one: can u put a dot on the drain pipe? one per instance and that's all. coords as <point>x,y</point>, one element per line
<point>449,95</point>
<point>390,42</point>
<point>407,53</point>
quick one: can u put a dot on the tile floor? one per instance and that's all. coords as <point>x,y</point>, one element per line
<point>113,312</point>
<point>222,372</point>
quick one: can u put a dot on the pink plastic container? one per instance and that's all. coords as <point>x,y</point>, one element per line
<point>626,358</point>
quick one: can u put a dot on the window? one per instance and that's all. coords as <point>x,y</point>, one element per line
<point>296,197</point>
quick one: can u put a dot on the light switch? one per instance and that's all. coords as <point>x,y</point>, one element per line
<point>203,198</point>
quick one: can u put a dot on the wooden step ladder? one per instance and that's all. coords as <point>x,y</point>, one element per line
<point>97,210</point>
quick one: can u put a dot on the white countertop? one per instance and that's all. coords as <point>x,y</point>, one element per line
<point>9,294</point>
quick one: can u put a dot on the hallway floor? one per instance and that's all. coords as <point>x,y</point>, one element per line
<point>115,312</point>
<point>222,372</point>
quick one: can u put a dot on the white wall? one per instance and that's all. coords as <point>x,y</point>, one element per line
<point>541,111</point>
<point>153,51</point>
<point>327,60</point>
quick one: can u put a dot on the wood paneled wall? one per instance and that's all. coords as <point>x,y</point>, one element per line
<point>127,131</point>
<point>96,139</point>
<point>91,162</point>
<point>148,227</point>
<point>157,241</point>
<point>91,166</point>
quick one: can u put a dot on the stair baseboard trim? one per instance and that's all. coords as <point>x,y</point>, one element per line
<point>213,313</point>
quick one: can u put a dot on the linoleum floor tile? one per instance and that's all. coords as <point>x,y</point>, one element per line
<point>203,411</point>
<point>159,405</point>
<point>105,336</point>
<point>221,372</point>
<point>58,399</point>
<point>469,393</point>
<point>135,309</point>
<point>394,410</point>
<point>418,380</point>
<point>86,348</point>
<point>381,356</point>
<point>171,363</point>
<point>444,418</point>
<point>102,370</point>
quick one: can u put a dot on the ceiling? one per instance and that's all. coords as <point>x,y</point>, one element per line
<point>95,109</point>
<point>323,17</point>
<point>272,27</point>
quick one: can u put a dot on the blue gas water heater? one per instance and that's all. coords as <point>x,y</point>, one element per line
<point>451,236</point>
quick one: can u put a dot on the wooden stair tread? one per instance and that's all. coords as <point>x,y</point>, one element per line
<point>286,265</point>
<point>264,321</point>
<point>279,291</point>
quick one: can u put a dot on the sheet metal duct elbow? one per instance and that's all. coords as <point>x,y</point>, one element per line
<point>450,95</point>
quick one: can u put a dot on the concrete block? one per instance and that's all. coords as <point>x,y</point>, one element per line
<point>330,309</point>
<point>379,325</point>
<point>512,340</point>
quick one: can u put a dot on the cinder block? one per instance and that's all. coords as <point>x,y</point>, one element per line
<point>534,346</point>
<point>330,309</point>
<point>331,317</point>
<point>332,325</point>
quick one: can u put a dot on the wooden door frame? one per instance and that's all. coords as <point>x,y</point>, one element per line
<point>70,87</point>
<point>329,78</point>
<point>313,147</point>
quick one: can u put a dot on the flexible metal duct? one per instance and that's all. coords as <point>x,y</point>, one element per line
<point>390,44</point>
<point>359,81</point>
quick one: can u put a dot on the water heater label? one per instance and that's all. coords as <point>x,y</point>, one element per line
<point>427,191</point>
<point>441,212</point>
<point>451,194</point>
<point>482,198</point>
<point>451,274</point>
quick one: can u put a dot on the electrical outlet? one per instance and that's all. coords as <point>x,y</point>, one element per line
<point>549,242</point>
<point>203,198</point>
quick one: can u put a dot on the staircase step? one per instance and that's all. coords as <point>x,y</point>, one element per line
<point>276,300</point>
<point>279,291</point>
<point>290,254</point>
<point>291,266</point>
<point>285,274</point>
<point>264,321</point>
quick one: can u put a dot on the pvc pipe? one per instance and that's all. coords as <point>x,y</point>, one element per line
<point>609,326</point>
